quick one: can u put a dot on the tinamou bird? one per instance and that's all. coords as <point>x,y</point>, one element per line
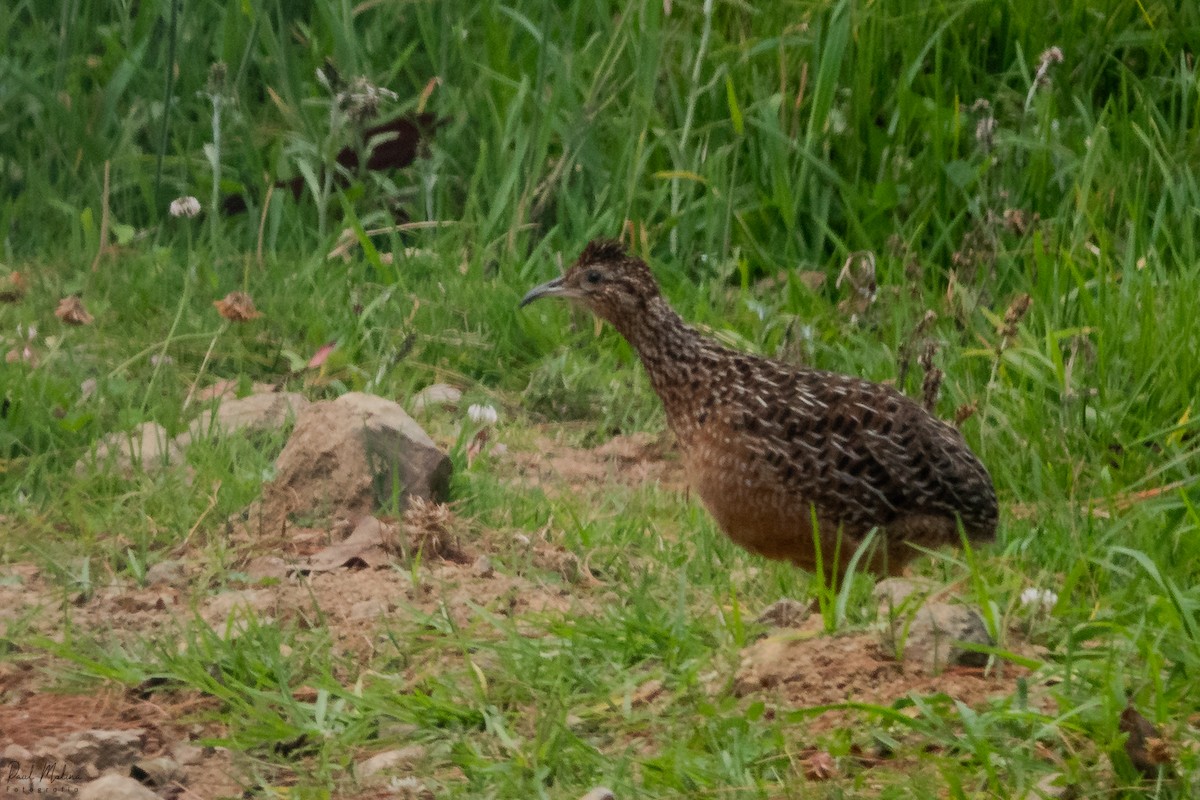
<point>774,449</point>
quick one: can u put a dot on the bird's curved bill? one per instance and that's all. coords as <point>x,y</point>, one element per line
<point>554,288</point>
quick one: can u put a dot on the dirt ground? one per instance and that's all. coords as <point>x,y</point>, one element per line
<point>794,671</point>
<point>299,574</point>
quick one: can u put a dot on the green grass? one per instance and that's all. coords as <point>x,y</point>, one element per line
<point>739,142</point>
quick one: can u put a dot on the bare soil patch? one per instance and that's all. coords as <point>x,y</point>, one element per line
<point>40,722</point>
<point>631,459</point>
<point>798,672</point>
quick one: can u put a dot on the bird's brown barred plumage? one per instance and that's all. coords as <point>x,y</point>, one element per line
<point>771,446</point>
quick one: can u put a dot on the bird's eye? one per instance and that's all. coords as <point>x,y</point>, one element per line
<point>594,276</point>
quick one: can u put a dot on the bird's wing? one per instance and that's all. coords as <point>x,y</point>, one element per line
<point>871,454</point>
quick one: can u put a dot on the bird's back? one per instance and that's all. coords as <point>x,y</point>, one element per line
<point>769,445</point>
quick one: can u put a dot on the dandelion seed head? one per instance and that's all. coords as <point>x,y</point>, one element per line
<point>482,414</point>
<point>1043,599</point>
<point>187,206</point>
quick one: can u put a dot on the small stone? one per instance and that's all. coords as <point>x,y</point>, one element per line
<point>785,613</point>
<point>482,568</point>
<point>890,593</point>
<point>934,634</point>
<point>369,609</point>
<point>166,573</point>
<point>227,612</point>
<point>265,568</point>
<point>438,394</point>
<point>391,759</point>
<point>46,747</point>
<point>187,753</point>
<point>599,793</point>
<point>1051,787</point>
<point>410,788</point>
<point>116,787</point>
<point>147,448</point>
<point>158,772</point>
<point>102,748</point>
<point>522,540</point>
<point>15,754</point>
<point>256,413</point>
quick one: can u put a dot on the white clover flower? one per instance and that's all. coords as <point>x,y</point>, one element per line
<point>184,207</point>
<point>1040,599</point>
<point>482,415</point>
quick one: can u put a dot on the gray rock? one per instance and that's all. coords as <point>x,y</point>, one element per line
<point>264,568</point>
<point>410,788</point>
<point>891,593</point>
<point>482,568</point>
<point>15,754</point>
<point>785,613</point>
<point>101,748</point>
<point>351,455</point>
<point>932,636</point>
<point>158,772</point>
<point>369,609</point>
<point>146,448</point>
<point>227,612</point>
<point>166,573</point>
<point>405,757</point>
<point>438,394</point>
<point>1052,787</point>
<point>255,413</point>
<point>116,787</point>
<point>187,753</point>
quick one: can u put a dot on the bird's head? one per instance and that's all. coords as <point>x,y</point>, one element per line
<point>607,279</point>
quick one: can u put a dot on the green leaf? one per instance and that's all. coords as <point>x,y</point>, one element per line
<point>735,113</point>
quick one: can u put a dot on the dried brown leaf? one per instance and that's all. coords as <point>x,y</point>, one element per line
<point>237,307</point>
<point>820,766</point>
<point>366,546</point>
<point>12,287</point>
<point>964,413</point>
<point>71,311</point>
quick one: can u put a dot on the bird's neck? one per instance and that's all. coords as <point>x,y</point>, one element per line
<point>670,351</point>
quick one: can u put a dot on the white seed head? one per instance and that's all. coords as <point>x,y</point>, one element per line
<point>482,414</point>
<point>184,207</point>
<point>1043,599</point>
